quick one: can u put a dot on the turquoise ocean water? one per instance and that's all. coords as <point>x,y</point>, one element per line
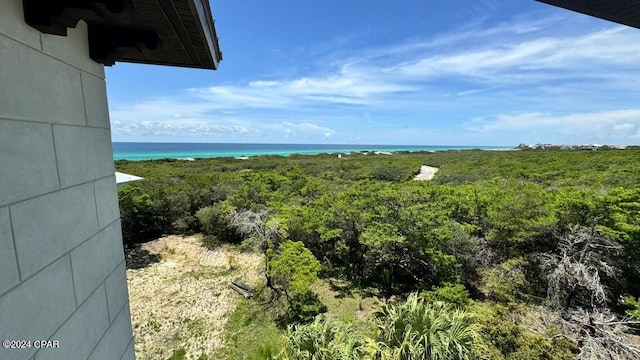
<point>150,151</point>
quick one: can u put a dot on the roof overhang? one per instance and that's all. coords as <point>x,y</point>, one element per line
<point>162,32</point>
<point>626,12</point>
<point>122,178</point>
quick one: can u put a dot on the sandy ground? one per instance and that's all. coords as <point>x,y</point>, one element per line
<point>426,173</point>
<point>184,300</point>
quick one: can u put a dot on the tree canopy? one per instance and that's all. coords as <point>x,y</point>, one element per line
<point>495,237</point>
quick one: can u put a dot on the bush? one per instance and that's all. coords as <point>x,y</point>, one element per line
<point>418,330</point>
<point>507,282</point>
<point>501,337</point>
<point>185,224</point>
<point>322,340</point>
<point>389,173</point>
<point>634,304</point>
<point>213,221</point>
<point>178,354</point>
<point>303,308</point>
<point>141,216</point>
<point>455,294</point>
<point>294,268</point>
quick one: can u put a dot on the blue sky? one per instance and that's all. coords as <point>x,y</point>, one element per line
<point>411,72</point>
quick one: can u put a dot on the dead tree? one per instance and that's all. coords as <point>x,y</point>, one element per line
<point>600,334</point>
<point>260,232</point>
<point>575,272</point>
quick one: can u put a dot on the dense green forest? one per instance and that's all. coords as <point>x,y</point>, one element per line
<point>503,255</point>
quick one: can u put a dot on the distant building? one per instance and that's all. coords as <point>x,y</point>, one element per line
<point>592,147</point>
<point>62,268</point>
<point>618,147</point>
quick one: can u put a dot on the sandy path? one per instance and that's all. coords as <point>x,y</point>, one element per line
<point>183,301</point>
<point>426,173</point>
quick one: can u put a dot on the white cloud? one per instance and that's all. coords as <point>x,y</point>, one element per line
<point>623,128</point>
<point>531,60</point>
<point>609,126</point>
<point>512,78</point>
<point>205,127</point>
<point>346,86</point>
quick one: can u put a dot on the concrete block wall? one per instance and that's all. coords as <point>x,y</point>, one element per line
<point>62,270</point>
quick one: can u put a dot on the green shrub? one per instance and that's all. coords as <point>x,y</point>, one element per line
<point>213,221</point>
<point>303,308</point>
<point>455,294</point>
<point>185,224</point>
<point>322,340</point>
<point>140,215</point>
<point>294,268</point>
<point>416,329</point>
<point>210,219</point>
<point>178,354</point>
<point>634,304</point>
<point>507,282</point>
<point>389,173</point>
<point>501,337</point>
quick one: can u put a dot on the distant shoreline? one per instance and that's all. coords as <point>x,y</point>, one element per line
<point>157,151</point>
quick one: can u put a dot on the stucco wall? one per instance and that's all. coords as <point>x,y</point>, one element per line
<point>62,271</point>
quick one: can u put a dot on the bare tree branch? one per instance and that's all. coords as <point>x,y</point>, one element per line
<point>578,266</point>
<point>600,334</point>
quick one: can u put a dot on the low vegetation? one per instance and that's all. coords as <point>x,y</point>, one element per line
<point>502,255</point>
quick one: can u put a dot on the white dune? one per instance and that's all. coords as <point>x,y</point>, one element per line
<point>426,173</point>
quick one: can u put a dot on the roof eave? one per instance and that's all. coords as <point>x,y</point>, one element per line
<point>162,32</point>
<point>625,12</point>
<point>209,31</point>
